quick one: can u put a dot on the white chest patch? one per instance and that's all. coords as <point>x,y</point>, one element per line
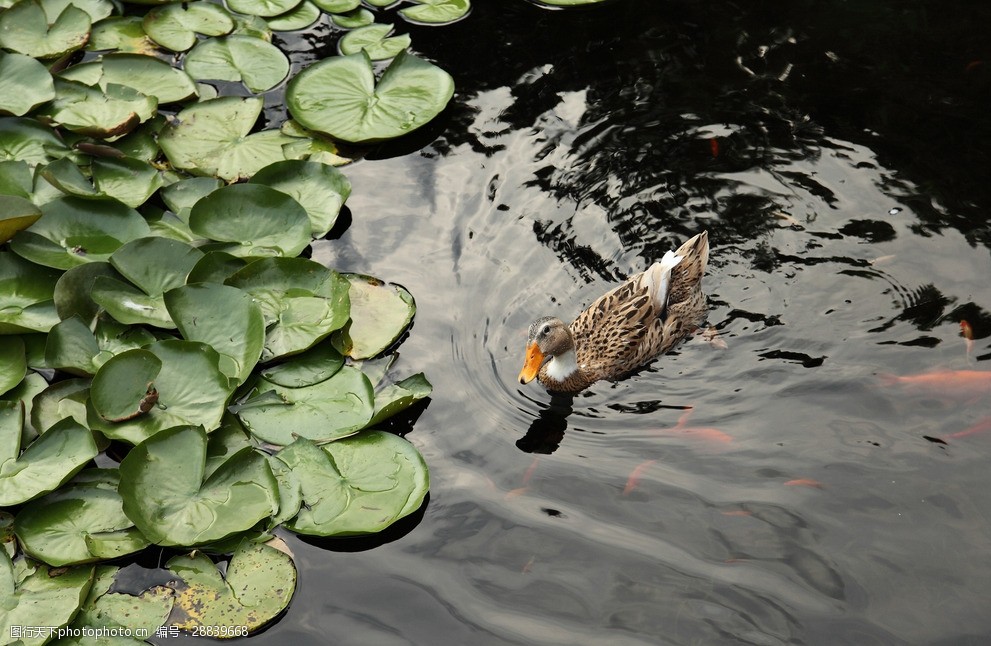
<point>563,366</point>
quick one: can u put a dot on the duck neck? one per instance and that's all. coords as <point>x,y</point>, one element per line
<point>563,366</point>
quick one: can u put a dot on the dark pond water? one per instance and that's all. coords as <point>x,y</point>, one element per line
<point>837,153</point>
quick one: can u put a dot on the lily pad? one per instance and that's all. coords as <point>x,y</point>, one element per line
<point>72,348</point>
<point>156,265</point>
<point>13,363</point>
<point>46,463</point>
<point>175,25</point>
<point>16,214</point>
<point>24,83</point>
<point>353,19</point>
<point>255,219</point>
<point>165,494</point>
<point>191,388</point>
<point>212,138</point>
<point>27,28</point>
<point>338,96</point>
<point>395,398</point>
<point>259,582</point>
<point>303,302</point>
<point>73,289</point>
<point>224,317</point>
<point>101,113</point>
<point>263,8</point>
<point>122,34</point>
<point>146,74</point>
<point>45,597</point>
<point>259,64</point>
<point>319,363</point>
<point>104,609</point>
<point>358,485</point>
<point>26,140</point>
<point>130,305</point>
<point>63,399</point>
<point>124,387</point>
<point>380,313</point>
<point>26,295</point>
<point>15,177</point>
<point>331,409</point>
<point>302,16</point>
<point>375,40</point>
<point>132,181</point>
<point>74,230</point>
<point>338,6</point>
<point>319,188</point>
<point>436,12</point>
<point>77,524</point>
<point>215,267</point>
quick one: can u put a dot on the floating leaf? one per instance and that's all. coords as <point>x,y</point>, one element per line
<point>319,363</point>
<point>105,610</point>
<point>305,14</point>
<point>259,64</point>
<point>16,214</point>
<point>78,524</point>
<point>106,113</point>
<point>358,485</point>
<point>72,291</point>
<point>259,582</point>
<point>165,494</point>
<point>46,463</point>
<point>27,28</point>
<point>45,597</point>
<point>380,313</point>
<point>216,267</point>
<point>129,305</point>
<point>124,387</point>
<point>375,41</point>
<point>16,178</point>
<point>73,231</point>
<point>26,140</point>
<point>211,138</point>
<point>319,188</point>
<point>224,317</point>
<point>72,348</point>
<point>398,397</point>
<point>25,296</point>
<point>129,180</point>
<point>191,387</point>
<point>353,19</point>
<point>63,399</point>
<point>337,6</point>
<point>156,265</point>
<point>175,25</point>
<point>146,74</point>
<point>13,363</point>
<point>123,34</point>
<point>338,96</point>
<point>436,12</point>
<point>24,83</point>
<point>263,8</point>
<point>331,409</point>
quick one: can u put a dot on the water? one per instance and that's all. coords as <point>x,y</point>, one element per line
<point>837,154</point>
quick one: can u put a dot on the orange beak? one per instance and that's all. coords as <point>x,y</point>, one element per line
<point>534,359</point>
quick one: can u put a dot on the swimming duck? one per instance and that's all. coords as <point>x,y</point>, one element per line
<point>641,318</point>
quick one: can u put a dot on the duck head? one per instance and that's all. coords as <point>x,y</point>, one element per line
<point>548,338</point>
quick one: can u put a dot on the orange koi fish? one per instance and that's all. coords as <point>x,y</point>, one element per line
<point>714,147</point>
<point>804,482</point>
<point>979,427</point>
<point>634,480</point>
<point>951,384</point>
<point>968,335</point>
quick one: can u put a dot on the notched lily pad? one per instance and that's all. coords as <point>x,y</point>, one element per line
<point>24,83</point>
<point>27,28</point>
<point>102,113</point>
<point>258,63</point>
<point>105,609</point>
<point>124,387</point>
<point>319,188</point>
<point>380,313</point>
<point>26,291</point>
<point>175,25</point>
<point>146,74</point>
<point>436,12</point>
<point>375,40</point>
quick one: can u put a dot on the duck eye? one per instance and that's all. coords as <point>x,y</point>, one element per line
<point>544,330</point>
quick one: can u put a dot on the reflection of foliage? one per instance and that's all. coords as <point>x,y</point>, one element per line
<point>182,307</point>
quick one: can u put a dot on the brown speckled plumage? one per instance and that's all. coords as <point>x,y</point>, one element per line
<point>628,326</point>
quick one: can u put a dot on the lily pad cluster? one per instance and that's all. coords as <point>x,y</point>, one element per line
<point>174,372</point>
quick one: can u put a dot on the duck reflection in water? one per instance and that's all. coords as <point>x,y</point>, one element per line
<point>643,317</point>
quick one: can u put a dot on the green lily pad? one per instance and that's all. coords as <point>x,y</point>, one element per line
<point>96,9</point>
<point>319,363</point>
<point>27,28</point>
<point>132,181</point>
<point>77,524</point>
<point>156,265</point>
<point>104,609</point>
<point>212,138</point>
<point>175,25</point>
<point>16,214</point>
<point>338,96</point>
<point>122,34</point>
<point>353,19</point>
<point>129,305</point>
<point>64,175</point>
<point>74,230</point>
<point>24,83</point>
<point>124,387</point>
<point>224,317</point>
<point>255,219</point>
<point>25,295</point>
<point>72,348</point>
<point>215,267</point>
<point>142,142</point>
<point>26,140</point>
<point>13,363</point>
<point>566,3</point>
<point>45,597</point>
<point>338,6</point>
<point>382,4</point>
<point>24,393</point>
<point>319,188</point>
<point>259,582</point>
<point>73,289</point>
<point>146,74</point>
<point>259,64</point>
<point>380,313</point>
<point>436,12</point>
<point>46,463</point>
<point>191,387</point>
<point>303,302</point>
<point>302,16</point>
<point>9,542</point>
<point>165,494</point>
<point>331,409</point>
<point>101,113</point>
<point>395,398</point>
<point>63,399</point>
<point>16,178</point>
<point>358,485</point>
<point>263,8</point>
<point>375,41</point>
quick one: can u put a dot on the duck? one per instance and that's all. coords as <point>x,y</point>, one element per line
<point>643,317</point>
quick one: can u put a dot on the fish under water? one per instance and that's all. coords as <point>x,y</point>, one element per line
<point>947,384</point>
